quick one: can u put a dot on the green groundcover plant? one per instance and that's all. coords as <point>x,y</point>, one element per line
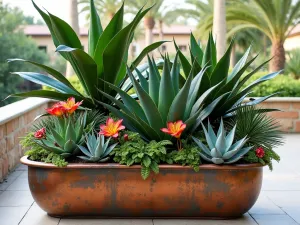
<point>148,114</point>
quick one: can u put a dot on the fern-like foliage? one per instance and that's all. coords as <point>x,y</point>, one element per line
<point>260,129</point>
<point>137,151</point>
<point>37,153</point>
<point>265,160</point>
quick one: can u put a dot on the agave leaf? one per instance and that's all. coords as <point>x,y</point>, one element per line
<point>104,159</point>
<point>210,55</point>
<point>144,52</point>
<point>209,141</point>
<point>205,157</point>
<point>239,155</point>
<point>154,82</point>
<point>175,72</point>
<point>166,92</point>
<point>202,146</point>
<point>186,66</point>
<point>85,68</point>
<point>70,146</point>
<point>54,149</point>
<point>217,160</point>
<point>49,70</point>
<point>70,132</point>
<point>58,138</point>
<point>221,70</point>
<point>64,33</point>
<point>95,30</point>
<point>229,139</point>
<point>85,158</point>
<point>114,26</point>
<point>237,68</point>
<point>47,20</point>
<point>119,43</point>
<point>216,153</point>
<point>85,151</point>
<point>109,149</point>
<point>211,133</point>
<point>143,80</point>
<point>177,109</point>
<point>130,103</point>
<point>148,105</point>
<point>42,79</point>
<point>196,49</point>
<point>221,138</point>
<point>52,95</point>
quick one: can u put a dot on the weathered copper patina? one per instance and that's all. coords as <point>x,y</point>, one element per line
<point>113,190</point>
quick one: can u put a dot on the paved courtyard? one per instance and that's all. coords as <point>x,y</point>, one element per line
<point>278,204</point>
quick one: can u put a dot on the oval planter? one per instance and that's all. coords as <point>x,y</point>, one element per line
<point>113,190</point>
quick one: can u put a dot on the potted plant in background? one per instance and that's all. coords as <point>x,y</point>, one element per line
<point>199,147</point>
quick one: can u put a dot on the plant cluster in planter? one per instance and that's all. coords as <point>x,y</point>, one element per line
<point>199,117</point>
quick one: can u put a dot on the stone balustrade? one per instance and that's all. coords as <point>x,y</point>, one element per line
<point>15,121</point>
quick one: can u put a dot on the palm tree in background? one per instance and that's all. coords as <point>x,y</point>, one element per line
<point>275,18</point>
<point>105,8</point>
<point>74,22</point>
<point>219,27</point>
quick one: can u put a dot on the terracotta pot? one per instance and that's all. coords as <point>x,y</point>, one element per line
<point>113,190</point>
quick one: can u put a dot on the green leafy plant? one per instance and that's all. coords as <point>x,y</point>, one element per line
<point>37,153</point>
<point>260,129</point>
<point>97,149</point>
<point>137,151</point>
<point>64,135</point>
<point>218,74</point>
<point>269,155</point>
<point>293,66</point>
<point>105,60</point>
<point>161,101</point>
<point>220,146</point>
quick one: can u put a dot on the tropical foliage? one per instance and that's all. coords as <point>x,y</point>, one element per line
<point>93,68</point>
<point>293,65</point>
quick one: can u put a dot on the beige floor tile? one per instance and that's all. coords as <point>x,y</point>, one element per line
<point>274,220</point>
<point>20,184</point>
<point>105,222</point>
<point>265,206</point>
<point>22,167</point>
<point>16,198</point>
<point>293,212</point>
<point>36,216</point>
<point>280,181</point>
<point>245,220</point>
<point>9,179</point>
<point>12,215</point>
<point>284,198</point>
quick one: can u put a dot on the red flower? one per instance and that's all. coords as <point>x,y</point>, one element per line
<point>126,138</point>
<point>70,105</point>
<point>56,110</point>
<point>111,128</point>
<point>260,152</point>
<point>40,134</point>
<point>175,129</point>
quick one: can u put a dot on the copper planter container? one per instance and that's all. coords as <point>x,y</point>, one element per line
<point>117,191</point>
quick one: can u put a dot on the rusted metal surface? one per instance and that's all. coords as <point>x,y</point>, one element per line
<point>112,190</point>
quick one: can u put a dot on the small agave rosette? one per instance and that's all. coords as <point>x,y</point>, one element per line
<point>220,149</point>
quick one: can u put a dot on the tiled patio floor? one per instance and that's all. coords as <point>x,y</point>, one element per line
<point>278,204</point>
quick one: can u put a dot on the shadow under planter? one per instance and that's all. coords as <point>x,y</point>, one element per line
<point>117,191</point>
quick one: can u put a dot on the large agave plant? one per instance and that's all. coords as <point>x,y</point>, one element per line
<point>104,62</point>
<point>220,146</point>
<point>161,100</point>
<point>218,73</point>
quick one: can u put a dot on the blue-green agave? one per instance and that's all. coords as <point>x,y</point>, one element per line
<point>96,150</point>
<point>221,149</point>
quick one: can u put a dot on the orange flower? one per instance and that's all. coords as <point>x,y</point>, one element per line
<point>111,128</point>
<point>56,110</point>
<point>175,129</point>
<point>70,105</point>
